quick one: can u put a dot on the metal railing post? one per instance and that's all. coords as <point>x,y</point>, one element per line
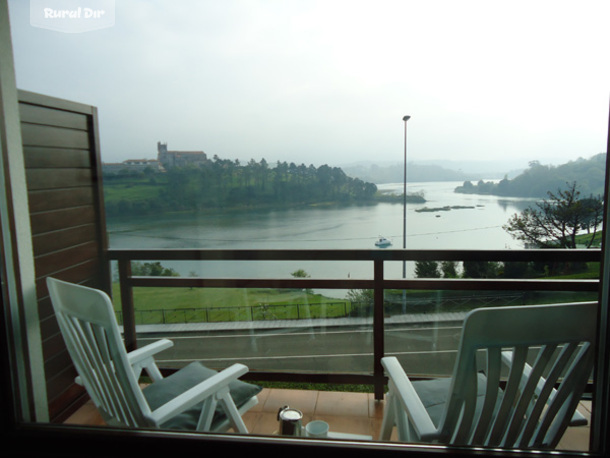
<point>129,317</point>
<point>378,329</point>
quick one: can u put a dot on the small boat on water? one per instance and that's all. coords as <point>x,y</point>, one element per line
<point>383,242</point>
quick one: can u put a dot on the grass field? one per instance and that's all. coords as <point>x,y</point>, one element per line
<point>133,190</point>
<point>180,305</point>
<point>203,305</point>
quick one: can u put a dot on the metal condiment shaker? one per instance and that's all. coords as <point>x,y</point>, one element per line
<point>291,421</point>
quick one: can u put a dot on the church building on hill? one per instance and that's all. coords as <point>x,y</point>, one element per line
<point>170,159</point>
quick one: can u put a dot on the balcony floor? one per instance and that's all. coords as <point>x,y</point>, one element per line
<point>352,413</point>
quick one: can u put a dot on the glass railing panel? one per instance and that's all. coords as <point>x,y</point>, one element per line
<point>273,315</point>
<point>268,329</point>
<point>255,268</point>
<point>423,328</point>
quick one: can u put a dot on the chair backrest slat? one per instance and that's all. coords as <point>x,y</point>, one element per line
<point>545,393</point>
<point>526,398</point>
<point>549,353</point>
<point>102,378</point>
<point>493,371</point>
<point>565,399</point>
<point>506,409</point>
<point>88,324</point>
<point>95,342</point>
<point>469,403</point>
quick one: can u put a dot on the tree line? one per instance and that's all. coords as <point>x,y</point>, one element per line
<point>222,183</point>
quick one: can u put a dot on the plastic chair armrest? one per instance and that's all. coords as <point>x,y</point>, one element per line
<point>136,356</point>
<point>142,358</point>
<point>199,392</point>
<point>409,399</point>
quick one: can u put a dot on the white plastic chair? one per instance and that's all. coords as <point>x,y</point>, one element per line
<point>193,398</point>
<point>474,407</point>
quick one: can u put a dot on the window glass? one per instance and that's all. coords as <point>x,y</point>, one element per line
<point>350,130</point>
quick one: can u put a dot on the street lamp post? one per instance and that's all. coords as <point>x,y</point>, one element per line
<point>404,218</point>
<point>404,201</point>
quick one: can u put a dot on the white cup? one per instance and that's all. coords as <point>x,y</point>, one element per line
<point>316,428</point>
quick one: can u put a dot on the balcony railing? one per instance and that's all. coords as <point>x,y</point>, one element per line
<point>378,284</point>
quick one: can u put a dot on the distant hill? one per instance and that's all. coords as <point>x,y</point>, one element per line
<point>538,179</point>
<point>394,173</point>
<point>476,169</point>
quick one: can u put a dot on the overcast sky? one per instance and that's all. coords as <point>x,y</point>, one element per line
<point>329,81</point>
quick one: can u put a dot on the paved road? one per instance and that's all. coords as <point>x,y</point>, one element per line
<point>424,348</point>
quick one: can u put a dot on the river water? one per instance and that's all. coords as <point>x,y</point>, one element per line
<point>339,227</point>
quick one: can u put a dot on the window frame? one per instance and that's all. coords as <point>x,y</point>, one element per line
<point>23,436</point>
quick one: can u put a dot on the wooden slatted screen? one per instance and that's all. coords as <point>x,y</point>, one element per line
<point>63,172</point>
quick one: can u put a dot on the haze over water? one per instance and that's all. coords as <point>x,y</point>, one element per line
<point>337,227</point>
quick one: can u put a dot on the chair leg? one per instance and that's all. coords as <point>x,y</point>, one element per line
<point>207,414</point>
<point>389,416</point>
<point>232,413</point>
<point>395,416</point>
<point>153,371</point>
<point>403,428</point>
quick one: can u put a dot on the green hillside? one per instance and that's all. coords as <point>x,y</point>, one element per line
<point>538,179</point>
<point>228,184</point>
